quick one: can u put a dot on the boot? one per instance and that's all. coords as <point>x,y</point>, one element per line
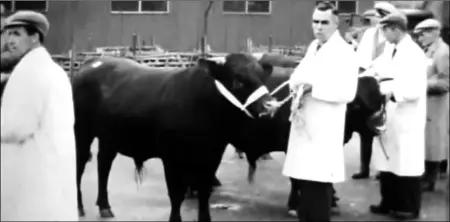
<point>430,175</point>
<point>443,167</point>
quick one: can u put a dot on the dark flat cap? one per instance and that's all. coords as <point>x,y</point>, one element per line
<point>427,24</point>
<point>29,18</point>
<point>396,18</point>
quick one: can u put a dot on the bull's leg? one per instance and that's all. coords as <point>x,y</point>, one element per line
<point>176,187</point>
<point>293,199</point>
<point>365,156</point>
<point>83,156</point>
<point>204,193</point>
<point>83,150</point>
<point>105,158</point>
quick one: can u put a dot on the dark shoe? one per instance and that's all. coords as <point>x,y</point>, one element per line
<point>378,209</point>
<point>443,167</point>
<point>360,175</point>
<point>404,215</point>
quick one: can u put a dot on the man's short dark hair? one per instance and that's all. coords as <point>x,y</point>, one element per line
<point>31,30</point>
<point>325,6</point>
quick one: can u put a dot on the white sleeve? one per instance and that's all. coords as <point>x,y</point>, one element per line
<point>59,117</point>
<point>365,48</point>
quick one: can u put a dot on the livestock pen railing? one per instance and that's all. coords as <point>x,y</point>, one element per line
<point>156,56</point>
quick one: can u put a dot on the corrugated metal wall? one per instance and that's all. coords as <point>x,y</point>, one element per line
<point>288,24</point>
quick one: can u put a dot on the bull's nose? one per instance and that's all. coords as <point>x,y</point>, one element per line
<point>270,106</point>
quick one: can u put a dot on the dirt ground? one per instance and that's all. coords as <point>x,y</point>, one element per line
<point>265,200</point>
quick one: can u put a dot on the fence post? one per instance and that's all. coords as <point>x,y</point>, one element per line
<point>133,43</point>
<point>90,47</point>
<point>270,43</point>
<point>249,45</point>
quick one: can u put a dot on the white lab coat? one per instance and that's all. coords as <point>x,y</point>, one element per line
<point>404,140</point>
<point>315,150</point>
<point>371,38</point>
<point>38,175</point>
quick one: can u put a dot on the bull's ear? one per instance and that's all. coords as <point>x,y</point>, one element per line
<point>212,67</point>
<point>268,69</point>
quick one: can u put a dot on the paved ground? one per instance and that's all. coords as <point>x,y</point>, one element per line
<point>265,200</point>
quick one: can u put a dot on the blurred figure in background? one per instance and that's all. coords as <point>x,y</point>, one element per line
<point>437,130</point>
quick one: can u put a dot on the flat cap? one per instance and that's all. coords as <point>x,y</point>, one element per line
<point>396,18</point>
<point>427,24</point>
<point>386,7</point>
<point>29,18</point>
<point>369,13</point>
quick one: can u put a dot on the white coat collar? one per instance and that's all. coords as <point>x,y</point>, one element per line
<point>330,44</point>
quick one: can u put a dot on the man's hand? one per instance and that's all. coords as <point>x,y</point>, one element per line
<point>307,88</point>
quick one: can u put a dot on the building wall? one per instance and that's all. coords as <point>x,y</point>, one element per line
<point>288,24</point>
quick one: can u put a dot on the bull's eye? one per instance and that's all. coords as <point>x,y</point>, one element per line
<point>237,84</point>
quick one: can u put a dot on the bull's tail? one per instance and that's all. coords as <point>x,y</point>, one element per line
<point>139,172</point>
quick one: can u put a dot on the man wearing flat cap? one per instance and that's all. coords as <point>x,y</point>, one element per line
<point>399,152</point>
<point>437,128</point>
<point>370,47</point>
<point>38,165</point>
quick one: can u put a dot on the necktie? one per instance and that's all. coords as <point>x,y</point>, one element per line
<point>318,47</point>
<point>393,52</point>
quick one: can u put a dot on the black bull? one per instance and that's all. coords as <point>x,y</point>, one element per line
<point>364,115</point>
<point>177,116</point>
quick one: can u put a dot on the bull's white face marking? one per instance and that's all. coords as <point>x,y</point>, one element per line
<point>96,64</point>
<point>257,94</point>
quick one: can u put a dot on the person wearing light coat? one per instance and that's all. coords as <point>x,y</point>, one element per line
<point>38,166</point>
<point>437,128</point>
<point>399,152</point>
<point>371,46</point>
<point>315,154</point>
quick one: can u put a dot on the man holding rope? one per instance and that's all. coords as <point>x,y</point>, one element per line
<point>325,81</point>
<point>371,46</point>
<point>400,152</point>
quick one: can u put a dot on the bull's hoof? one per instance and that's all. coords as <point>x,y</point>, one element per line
<point>292,213</point>
<point>106,213</point>
<point>267,157</point>
<point>81,212</point>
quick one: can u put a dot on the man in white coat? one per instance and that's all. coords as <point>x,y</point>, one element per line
<point>371,46</point>
<point>328,77</point>
<point>38,167</point>
<point>399,153</point>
